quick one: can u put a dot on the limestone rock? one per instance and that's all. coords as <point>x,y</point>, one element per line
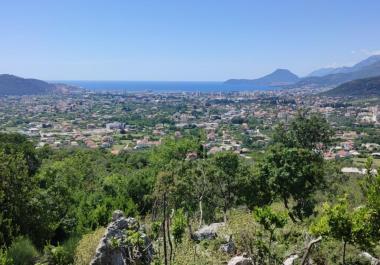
<point>208,232</point>
<point>228,247</point>
<point>240,260</point>
<point>123,243</point>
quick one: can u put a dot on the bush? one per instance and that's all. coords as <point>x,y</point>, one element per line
<point>57,255</point>
<point>22,251</point>
<point>86,247</point>
<point>4,259</point>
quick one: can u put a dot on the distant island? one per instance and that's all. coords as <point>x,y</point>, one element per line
<point>14,85</point>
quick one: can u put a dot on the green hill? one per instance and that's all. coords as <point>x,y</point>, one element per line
<point>357,88</point>
<point>16,86</point>
<point>13,85</point>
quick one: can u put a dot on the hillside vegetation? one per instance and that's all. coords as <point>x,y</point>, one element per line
<point>54,203</point>
<point>357,88</point>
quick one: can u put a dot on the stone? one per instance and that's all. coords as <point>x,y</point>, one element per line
<point>115,248</point>
<point>240,260</point>
<point>207,232</point>
<point>228,247</point>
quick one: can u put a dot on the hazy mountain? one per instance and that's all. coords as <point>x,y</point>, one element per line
<point>14,85</point>
<point>360,88</point>
<point>279,77</point>
<point>364,69</point>
<point>345,69</point>
<point>329,71</point>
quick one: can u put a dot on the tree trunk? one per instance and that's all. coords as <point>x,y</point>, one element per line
<point>164,230</point>
<point>200,212</point>
<point>270,247</point>
<point>170,241</point>
<point>225,211</point>
<point>344,252</point>
<point>189,227</point>
<point>291,215</point>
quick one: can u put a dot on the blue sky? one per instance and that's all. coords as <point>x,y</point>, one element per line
<point>182,40</point>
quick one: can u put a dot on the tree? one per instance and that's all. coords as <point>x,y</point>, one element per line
<point>178,225</point>
<point>339,221</point>
<point>271,221</point>
<point>16,192</point>
<point>305,131</point>
<point>13,144</point>
<point>195,190</point>
<point>226,179</point>
<point>293,175</point>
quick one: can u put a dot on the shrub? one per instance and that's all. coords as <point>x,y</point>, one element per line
<point>86,247</point>
<point>22,251</point>
<point>4,259</point>
<point>178,226</point>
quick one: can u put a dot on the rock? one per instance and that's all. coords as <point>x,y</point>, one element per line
<point>370,258</point>
<point>123,243</point>
<point>240,260</point>
<point>228,247</point>
<point>207,232</point>
<point>290,260</point>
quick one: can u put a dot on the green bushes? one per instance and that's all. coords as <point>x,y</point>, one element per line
<point>4,259</point>
<point>22,252</point>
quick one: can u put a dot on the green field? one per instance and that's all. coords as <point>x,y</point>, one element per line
<point>360,162</point>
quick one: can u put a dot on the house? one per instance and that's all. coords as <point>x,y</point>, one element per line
<point>115,126</point>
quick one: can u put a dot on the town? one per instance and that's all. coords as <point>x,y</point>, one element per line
<point>241,122</point>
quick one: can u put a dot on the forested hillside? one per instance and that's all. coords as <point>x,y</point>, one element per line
<point>367,87</point>
<point>287,205</point>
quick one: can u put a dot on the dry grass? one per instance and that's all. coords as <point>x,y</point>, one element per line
<point>87,246</point>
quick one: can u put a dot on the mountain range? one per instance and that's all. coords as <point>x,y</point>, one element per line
<point>14,85</point>
<point>345,69</point>
<point>325,77</point>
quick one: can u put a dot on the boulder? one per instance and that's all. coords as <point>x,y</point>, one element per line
<point>207,232</point>
<point>240,260</point>
<point>228,247</point>
<point>123,243</point>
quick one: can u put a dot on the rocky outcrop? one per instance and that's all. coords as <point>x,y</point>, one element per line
<point>240,260</point>
<point>207,232</point>
<point>123,243</point>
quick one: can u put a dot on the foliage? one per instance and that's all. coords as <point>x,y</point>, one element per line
<point>271,221</point>
<point>56,256</point>
<point>293,175</point>
<point>351,226</point>
<point>178,225</point>
<point>4,259</point>
<point>305,131</point>
<point>22,251</point>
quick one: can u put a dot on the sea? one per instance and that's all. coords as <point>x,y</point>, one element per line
<point>162,86</point>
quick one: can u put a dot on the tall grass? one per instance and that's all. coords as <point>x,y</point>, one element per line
<point>23,252</point>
